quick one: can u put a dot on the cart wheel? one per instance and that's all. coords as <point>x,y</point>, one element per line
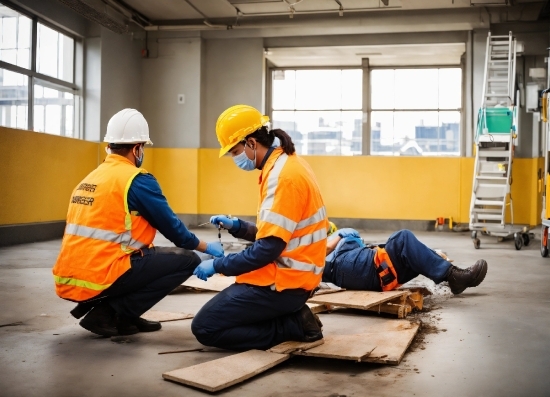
<point>526,239</point>
<point>474,234</point>
<point>477,243</point>
<point>518,241</point>
<point>544,242</point>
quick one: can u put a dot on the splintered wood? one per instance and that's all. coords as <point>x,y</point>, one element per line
<point>293,346</point>
<point>342,347</point>
<point>156,315</point>
<point>219,374</point>
<point>215,283</point>
<point>357,299</point>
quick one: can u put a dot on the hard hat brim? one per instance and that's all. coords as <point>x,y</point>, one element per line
<point>263,121</point>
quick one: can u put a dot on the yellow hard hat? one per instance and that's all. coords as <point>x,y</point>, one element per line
<point>236,123</point>
<point>331,228</point>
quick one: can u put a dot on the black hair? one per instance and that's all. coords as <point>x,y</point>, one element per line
<point>266,137</point>
<point>121,149</point>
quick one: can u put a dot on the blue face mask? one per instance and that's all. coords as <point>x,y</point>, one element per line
<point>244,163</point>
<point>139,160</point>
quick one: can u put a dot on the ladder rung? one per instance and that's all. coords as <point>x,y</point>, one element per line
<point>494,153</point>
<point>498,61</point>
<point>497,80</point>
<point>492,178</point>
<point>489,217</point>
<point>489,202</point>
<point>483,225</point>
<point>487,210</point>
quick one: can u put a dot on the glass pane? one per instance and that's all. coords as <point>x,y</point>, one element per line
<point>352,89</point>
<point>55,53</point>
<point>53,111</point>
<point>322,133</point>
<point>382,84</point>
<point>14,93</point>
<point>416,88</point>
<point>415,133</point>
<point>284,89</point>
<point>450,88</point>
<point>318,89</point>
<point>15,37</point>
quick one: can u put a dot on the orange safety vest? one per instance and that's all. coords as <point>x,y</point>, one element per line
<point>291,208</point>
<point>386,271</point>
<point>101,233</point>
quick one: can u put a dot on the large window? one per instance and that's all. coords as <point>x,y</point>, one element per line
<point>37,92</point>
<point>416,111</point>
<point>320,109</point>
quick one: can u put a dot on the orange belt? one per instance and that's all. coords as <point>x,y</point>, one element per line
<point>386,271</point>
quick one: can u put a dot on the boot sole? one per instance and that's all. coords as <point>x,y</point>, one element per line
<point>92,327</point>
<point>482,272</point>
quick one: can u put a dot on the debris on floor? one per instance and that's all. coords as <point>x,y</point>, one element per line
<point>157,315</point>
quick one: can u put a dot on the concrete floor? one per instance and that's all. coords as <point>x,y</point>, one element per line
<point>496,343</point>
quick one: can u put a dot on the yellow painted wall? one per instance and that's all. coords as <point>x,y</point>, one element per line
<point>40,170</point>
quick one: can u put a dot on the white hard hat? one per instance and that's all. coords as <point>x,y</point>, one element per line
<point>127,126</point>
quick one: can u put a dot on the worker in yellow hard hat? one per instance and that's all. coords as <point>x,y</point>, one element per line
<point>107,263</point>
<point>277,274</point>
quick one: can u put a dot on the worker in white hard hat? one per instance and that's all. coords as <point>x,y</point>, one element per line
<point>107,263</point>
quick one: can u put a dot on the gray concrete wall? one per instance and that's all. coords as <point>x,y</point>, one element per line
<point>174,68</point>
<point>120,75</point>
<point>234,74</point>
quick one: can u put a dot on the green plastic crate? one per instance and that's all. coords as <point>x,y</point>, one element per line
<point>498,120</point>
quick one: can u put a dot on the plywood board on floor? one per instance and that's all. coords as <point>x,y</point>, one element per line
<point>293,346</point>
<point>391,345</point>
<point>157,315</point>
<point>219,374</point>
<point>357,299</point>
<point>342,347</point>
<point>215,283</point>
<point>316,308</point>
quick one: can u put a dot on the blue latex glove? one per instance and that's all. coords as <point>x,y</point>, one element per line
<point>205,269</point>
<point>215,249</point>
<point>348,232</point>
<point>225,221</point>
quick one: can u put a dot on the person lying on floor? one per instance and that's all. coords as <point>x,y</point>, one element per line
<point>353,265</point>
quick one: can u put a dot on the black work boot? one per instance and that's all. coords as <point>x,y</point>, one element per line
<point>129,326</point>
<point>310,324</point>
<point>100,320</point>
<point>81,309</point>
<point>460,279</point>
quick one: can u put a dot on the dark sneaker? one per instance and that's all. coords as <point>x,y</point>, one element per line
<point>460,279</point>
<point>130,326</point>
<point>101,321</point>
<point>310,324</point>
<point>81,309</point>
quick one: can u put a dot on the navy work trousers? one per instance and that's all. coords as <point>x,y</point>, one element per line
<point>410,258</point>
<point>155,272</point>
<point>244,316</point>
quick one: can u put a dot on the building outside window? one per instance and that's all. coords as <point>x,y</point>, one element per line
<point>320,109</point>
<point>416,111</point>
<point>39,94</point>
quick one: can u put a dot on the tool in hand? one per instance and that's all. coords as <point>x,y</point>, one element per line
<point>220,232</point>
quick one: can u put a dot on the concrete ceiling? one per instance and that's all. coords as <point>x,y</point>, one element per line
<point>378,55</point>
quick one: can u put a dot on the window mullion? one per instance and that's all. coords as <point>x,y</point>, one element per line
<point>30,122</point>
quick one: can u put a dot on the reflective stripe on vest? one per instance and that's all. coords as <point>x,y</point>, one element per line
<point>386,271</point>
<point>308,239</point>
<point>285,262</point>
<point>80,283</point>
<point>125,239</point>
<point>272,183</point>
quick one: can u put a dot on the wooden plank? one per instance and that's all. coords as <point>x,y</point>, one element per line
<point>343,347</point>
<point>215,283</point>
<point>317,308</point>
<point>293,346</point>
<point>391,345</point>
<point>357,299</point>
<point>219,374</point>
<point>157,315</point>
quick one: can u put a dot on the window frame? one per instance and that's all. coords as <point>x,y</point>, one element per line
<point>34,77</point>
<point>269,91</point>
<point>367,96</point>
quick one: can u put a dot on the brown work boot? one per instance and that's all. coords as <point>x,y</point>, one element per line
<point>129,325</point>
<point>310,324</point>
<point>460,279</point>
<point>100,320</point>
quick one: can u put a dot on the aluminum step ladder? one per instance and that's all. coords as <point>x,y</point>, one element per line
<point>495,139</point>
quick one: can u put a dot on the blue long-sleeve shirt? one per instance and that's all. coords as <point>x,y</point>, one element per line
<point>145,197</point>
<point>261,253</point>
